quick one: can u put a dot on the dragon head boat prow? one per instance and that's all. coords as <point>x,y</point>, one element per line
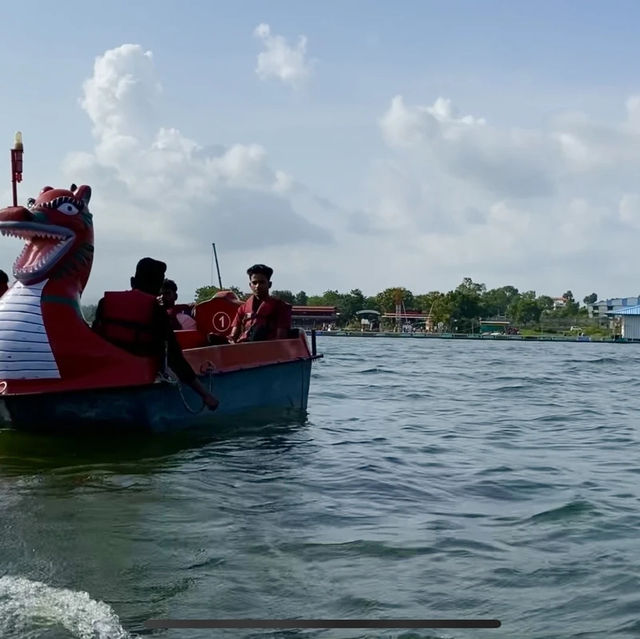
<point>45,340</point>
<point>58,231</point>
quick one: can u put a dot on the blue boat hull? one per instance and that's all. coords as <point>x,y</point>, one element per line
<point>163,406</point>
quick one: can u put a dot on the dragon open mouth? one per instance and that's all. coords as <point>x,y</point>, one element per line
<point>44,247</point>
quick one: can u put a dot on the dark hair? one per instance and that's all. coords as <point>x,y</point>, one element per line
<point>262,269</point>
<point>169,285</point>
<point>4,278</point>
<point>149,275</point>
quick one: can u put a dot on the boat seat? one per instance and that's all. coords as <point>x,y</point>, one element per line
<point>217,314</point>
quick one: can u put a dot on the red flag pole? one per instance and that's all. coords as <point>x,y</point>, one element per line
<point>16,166</point>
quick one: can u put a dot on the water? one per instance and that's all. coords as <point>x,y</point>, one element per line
<point>430,479</point>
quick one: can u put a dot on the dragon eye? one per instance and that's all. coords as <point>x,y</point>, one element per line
<point>68,209</point>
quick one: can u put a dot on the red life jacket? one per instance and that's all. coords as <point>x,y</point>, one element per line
<point>127,321</point>
<point>263,324</point>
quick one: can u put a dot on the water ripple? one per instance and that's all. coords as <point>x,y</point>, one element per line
<point>431,478</point>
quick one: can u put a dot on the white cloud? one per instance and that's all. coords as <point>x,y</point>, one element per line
<point>554,205</point>
<point>404,127</point>
<point>121,94</point>
<point>449,193</point>
<point>629,210</point>
<point>280,60</point>
<point>158,192</point>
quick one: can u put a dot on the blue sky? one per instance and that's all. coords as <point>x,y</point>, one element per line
<point>376,144</point>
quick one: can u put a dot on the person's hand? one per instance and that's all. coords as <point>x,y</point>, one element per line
<point>210,401</point>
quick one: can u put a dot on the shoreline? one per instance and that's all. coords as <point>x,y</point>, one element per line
<point>516,338</point>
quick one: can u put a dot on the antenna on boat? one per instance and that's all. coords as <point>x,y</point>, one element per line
<point>16,165</point>
<point>215,256</point>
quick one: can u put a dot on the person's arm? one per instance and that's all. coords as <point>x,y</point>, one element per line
<point>179,365</point>
<point>236,326</point>
<point>210,401</point>
<point>283,325</point>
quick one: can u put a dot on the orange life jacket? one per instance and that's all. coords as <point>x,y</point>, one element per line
<point>127,321</point>
<point>263,324</point>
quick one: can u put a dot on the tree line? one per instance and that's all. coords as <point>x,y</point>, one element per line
<point>462,307</point>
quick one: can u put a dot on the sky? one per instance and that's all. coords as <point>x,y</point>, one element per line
<point>346,144</point>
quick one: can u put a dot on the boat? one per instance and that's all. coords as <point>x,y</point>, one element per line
<point>57,374</point>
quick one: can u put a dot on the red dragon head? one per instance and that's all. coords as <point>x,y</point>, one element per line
<point>52,271</point>
<point>58,230</point>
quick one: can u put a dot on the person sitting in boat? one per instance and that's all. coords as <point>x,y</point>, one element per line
<point>261,317</point>
<point>180,317</point>
<point>4,283</point>
<point>135,321</point>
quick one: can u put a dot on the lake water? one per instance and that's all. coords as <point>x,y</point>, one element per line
<point>430,479</point>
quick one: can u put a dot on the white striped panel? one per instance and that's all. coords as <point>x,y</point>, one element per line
<point>25,352</point>
<point>22,336</point>
<point>26,291</point>
<point>29,373</point>
<point>36,366</point>
<point>27,328</point>
<point>26,303</point>
<point>21,316</point>
<point>29,347</point>
<point>6,356</point>
<point>22,291</point>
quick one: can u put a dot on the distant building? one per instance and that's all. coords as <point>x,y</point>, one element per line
<point>629,322</point>
<point>494,326</point>
<point>369,319</point>
<point>604,309</point>
<point>409,319</point>
<point>559,302</point>
<point>309,317</point>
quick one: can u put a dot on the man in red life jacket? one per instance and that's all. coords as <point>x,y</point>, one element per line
<point>180,317</point>
<point>261,317</point>
<point>4,283</point>
<point>135,321</point>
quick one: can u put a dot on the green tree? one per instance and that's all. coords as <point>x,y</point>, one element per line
<point>425,301</point>
<point>571,306</point>
<point>285,296</point>
<point>496,301</point>
<point>205,293</point>
<point>545,303</point>
<point>465,304</point>
<point>437,305</point>
<point>590,299</point>
<point>349,304</point>
<point>471,287</point>
<point>371,303</point>
<point>386,300</point>
<point>525,310</point>
<point>89,312</point>
<point>301,299</point>
<point>330,298</point>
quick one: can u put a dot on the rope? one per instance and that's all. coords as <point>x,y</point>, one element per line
<point>168,376</point>
<point>184,401</point>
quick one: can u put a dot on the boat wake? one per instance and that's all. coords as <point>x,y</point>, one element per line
<point>30,609</point>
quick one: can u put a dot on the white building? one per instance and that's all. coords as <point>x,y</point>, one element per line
<point>629,319</point>
<point>603,309</point>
